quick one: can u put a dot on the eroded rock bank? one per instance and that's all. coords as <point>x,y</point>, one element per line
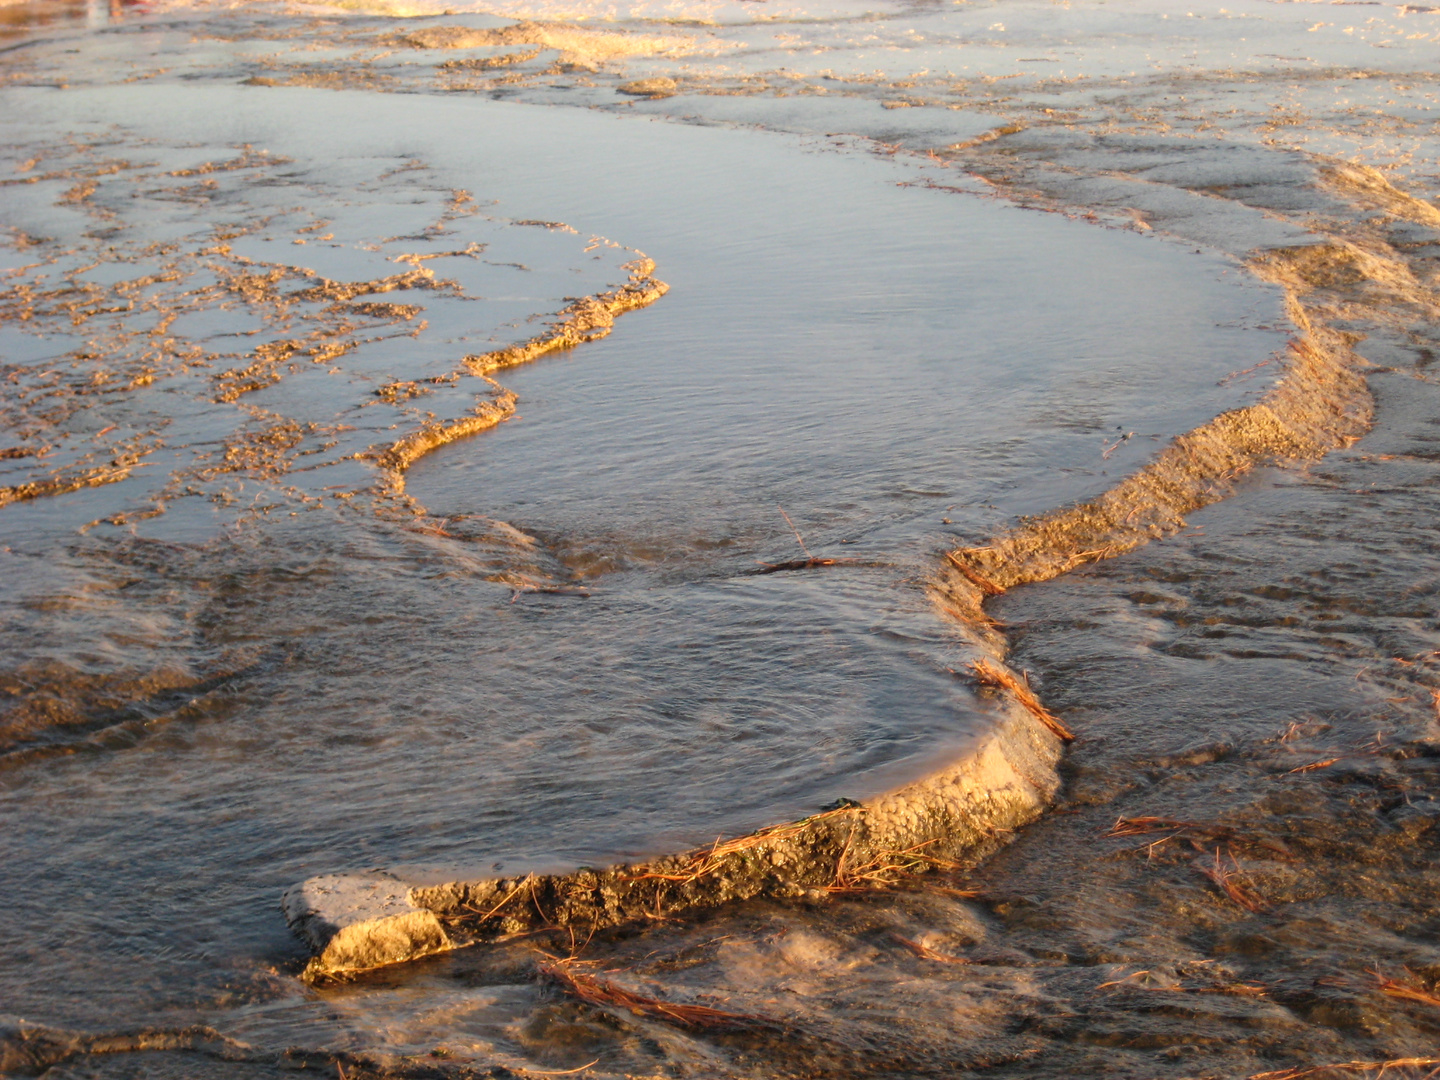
<point>954,818</point>
<point>948,820</point>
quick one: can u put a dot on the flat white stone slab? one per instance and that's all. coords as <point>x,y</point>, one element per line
<point>355,922</point>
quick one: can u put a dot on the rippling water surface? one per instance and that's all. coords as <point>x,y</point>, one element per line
<point>236,667</point>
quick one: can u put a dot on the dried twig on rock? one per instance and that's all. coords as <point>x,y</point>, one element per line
<point>991,674</point>
<point>970,574</point>
<point>885,868</point>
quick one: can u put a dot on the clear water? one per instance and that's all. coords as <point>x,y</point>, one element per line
<point>263,681</point>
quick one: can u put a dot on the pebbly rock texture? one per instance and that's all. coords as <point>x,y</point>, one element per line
<point>951,818</point>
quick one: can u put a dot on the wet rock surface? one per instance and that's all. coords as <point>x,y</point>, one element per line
<point>953,818</point>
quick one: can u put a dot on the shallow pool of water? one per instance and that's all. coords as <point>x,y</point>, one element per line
<point>315,684</point>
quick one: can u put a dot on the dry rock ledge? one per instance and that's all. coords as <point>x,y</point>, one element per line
<point>954,817</point>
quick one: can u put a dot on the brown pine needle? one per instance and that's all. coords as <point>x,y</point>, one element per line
<point>798,538</point>
<point>1407,989</point>
<point>882,870</point>
<point>927,953</point>
<point>561,1072</point>
<point>984,584</point>
<point>528,880</point>
<point>1237,891</point>
<point>1244,989</point>
<point>1128,983</point>
<point>593,990</point>
<point>801,564</point>
<point>1125,981</point>
<point>1193,830</point>
<point>707,860</point>
<point>1312,766</point>
<point>1228,379</point>
<point>987,673</point>
<point>808,563</point>
<point>1141,826</point>
<point>1116,445</point>
<point>1380,1067</point>
<point>958,894</point>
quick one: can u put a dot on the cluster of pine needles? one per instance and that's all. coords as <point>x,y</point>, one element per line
<point>707,860</point>
<point>1221,841</point>
<point>1379,1069</point>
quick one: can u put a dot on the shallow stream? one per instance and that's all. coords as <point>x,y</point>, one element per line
<point>242,664</point>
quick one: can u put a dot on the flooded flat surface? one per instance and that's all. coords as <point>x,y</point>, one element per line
<point>835,345</point>
<point>853,351</point>
<point>241,650</point>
